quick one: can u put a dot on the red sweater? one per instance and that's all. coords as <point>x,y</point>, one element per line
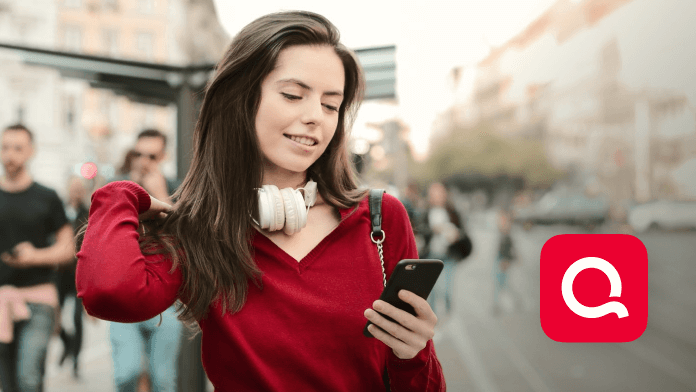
<point>302,332</point>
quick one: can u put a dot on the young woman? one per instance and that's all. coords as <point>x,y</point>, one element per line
<point>279,310</point>
<point>443,226</point>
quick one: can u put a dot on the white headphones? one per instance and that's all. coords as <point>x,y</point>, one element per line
<point>285,208</point>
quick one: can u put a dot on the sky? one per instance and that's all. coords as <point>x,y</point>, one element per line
<point>431,38</point>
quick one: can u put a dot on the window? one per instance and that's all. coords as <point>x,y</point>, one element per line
<point>108,109</point>
<point>69,113</point>
<point>21,111</point>
<point>72,3</point>
<point>145,6</point>
<point>149,116</point>
<point>144,45</point>
<point>110,42</point>
<point>72,39</point>
<point>110,5</point>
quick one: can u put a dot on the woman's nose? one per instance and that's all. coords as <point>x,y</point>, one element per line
<point>312,112</point>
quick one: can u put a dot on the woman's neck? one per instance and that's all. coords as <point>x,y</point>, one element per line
<point>284,180</point>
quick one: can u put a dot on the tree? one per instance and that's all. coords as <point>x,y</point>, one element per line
<point>479,150</point>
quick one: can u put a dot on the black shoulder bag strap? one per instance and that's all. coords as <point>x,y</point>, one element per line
<point>375,203</point>
<point>376,220</point>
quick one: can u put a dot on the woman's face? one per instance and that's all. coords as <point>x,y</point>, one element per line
<point>298,113</point>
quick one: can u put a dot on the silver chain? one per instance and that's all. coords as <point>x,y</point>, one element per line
<point>381,253</point>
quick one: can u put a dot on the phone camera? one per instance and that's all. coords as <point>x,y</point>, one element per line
<point>410,267</point>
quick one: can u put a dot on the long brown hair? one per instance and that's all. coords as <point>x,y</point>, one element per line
<point>211,221</point>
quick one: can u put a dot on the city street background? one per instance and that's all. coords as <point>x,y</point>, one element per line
<point>577,116</point>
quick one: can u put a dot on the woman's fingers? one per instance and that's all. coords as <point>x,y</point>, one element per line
<point>400,349</point>
<point>407,335</point>
<point>395,329</point>
<point>157,210</point>
<point>421,306</point>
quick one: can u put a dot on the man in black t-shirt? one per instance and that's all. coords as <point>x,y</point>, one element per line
<point>30,214</point>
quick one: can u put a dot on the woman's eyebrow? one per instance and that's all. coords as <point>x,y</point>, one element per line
<point>306,87</point>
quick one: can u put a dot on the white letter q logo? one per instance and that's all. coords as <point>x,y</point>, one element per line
<point>615,291</point>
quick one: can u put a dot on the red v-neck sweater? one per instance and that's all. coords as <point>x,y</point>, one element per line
<point>301,332</point>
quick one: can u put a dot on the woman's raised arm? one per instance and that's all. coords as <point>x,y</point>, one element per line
<point>115,281</point>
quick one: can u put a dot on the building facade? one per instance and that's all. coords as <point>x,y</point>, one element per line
<point>609,87</point>
<point>74,122</point>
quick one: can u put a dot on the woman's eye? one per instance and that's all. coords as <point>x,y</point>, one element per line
<point>332,108</point>
<point>291,97</point>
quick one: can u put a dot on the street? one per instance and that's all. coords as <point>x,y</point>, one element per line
<point>483,352</point>
<point>510,352</point>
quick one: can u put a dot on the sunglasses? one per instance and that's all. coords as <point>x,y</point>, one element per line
<point>138,154</point>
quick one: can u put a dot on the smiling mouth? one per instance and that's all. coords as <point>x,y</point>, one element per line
<point>302,140</point>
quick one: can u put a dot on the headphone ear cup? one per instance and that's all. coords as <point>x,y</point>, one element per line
<point>301,210</point>
<point>264,209</point>
<point>290,202</point>
<point>278,212</point>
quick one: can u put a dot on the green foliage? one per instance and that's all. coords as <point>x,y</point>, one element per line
<point>479,150</point>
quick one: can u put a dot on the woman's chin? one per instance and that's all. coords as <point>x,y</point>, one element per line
<point>290,168</point>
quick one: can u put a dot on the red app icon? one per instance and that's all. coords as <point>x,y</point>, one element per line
<point>594,288</point>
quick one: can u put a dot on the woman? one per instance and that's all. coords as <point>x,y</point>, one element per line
<point>443,230</point>
<point>276,112</point>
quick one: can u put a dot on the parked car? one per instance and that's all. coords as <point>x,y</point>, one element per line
<point>567,207</point>
<point>663,214</point>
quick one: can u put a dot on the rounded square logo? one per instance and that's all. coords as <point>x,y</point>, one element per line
<point>594,288</point>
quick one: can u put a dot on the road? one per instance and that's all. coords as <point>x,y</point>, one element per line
<point>483,352</point>
<point>509,352</point>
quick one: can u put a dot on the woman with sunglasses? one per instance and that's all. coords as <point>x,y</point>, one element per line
<point>268,244</point>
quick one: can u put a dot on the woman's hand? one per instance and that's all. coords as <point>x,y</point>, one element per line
<point>409,335</point>
<point>158,209</point>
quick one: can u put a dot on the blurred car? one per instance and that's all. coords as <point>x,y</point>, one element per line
<point>663,214</point>
<point>565,207</point>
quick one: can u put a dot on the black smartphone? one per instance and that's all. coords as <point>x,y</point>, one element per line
<point>416,276</point>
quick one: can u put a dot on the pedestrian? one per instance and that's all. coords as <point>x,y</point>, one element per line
<point>30,214</point>
<point>414,203</point>
<point>127,164</point>
<point>155,339</point>
<point>443,223</point>
<point>77,213</point>
<point>142,165</point>
<point>505,256</point>
<point>268,245</point>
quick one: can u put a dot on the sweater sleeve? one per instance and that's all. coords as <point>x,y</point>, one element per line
<point>115,281</point>
<point>422,372</point>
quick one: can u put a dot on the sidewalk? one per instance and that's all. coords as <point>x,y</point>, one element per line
<point>96,366</point>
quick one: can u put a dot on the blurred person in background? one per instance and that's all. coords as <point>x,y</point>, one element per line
<point>506,255</point>
<point>443,223</point>
<point>77,213</point>
<point>281,301</point>
<point>30,216</point>
<point>127,165</point>
<point>142,165</point>
<point>157,339</point>
<point>414,204</point>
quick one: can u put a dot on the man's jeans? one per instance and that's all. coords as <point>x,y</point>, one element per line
<point>443,286</point>
<point>23,362</point>
<point>159,344</point>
